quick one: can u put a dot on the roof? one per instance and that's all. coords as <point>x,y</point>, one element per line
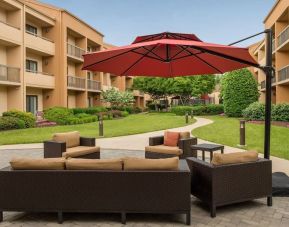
<point>63,10</point>
<point>271,11</point>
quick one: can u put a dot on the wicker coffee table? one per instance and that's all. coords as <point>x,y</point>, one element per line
<point>207,147</point>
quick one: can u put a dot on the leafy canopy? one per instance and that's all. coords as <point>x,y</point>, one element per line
<point>116,98</point>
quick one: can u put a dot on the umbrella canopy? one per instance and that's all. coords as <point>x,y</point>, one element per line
<point>169,55</point>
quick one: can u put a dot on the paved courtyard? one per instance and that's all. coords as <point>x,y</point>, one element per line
<point>254,213</point>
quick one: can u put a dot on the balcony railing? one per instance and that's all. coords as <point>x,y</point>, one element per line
<point>10,74</point>
<point>38,36</point>
<point>75,51</point>
<point>75,82</point>
<point>273,45</point>
<point>38,72</point>
<point>283,37</point>
<point>93,85</point>
<point>283,74</point>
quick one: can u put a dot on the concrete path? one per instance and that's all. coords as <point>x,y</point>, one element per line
<point>139,141</point>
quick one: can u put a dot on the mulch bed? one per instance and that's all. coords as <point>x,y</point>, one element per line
<point>276,123</point>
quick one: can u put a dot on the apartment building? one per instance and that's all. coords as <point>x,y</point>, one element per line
<point>278,21</point>
<point>41,49</point>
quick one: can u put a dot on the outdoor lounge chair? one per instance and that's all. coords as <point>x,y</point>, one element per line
<point>71,145</point>
<point>100,191</point>
<point>231,183</point>
<point>157,149</point>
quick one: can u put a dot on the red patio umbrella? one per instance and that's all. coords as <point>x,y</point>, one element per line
<point>169,55</point>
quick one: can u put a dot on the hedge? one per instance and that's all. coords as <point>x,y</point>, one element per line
<point>89,110</point>
<point>7,123</point>
<point>256,111</point>
<point>28,118</point>
<point>211,109</point>
<point>238,90</point>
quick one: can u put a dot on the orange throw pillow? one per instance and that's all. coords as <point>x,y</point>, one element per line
<point>171,138</point>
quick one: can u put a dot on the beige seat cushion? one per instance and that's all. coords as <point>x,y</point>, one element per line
<point>74,152</point>
<point>72,139</point>
<point>231,158</point>
<point>37,164</point>
<point>151,164</point>
<point>185,135</point>
<point>94,164</point>
<point>164,149</point>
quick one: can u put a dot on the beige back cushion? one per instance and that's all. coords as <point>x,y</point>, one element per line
<point>231,158</point>
<point>93,164</point>
<point>185,135</point>
<point>72,139</point>
<point>151,164</point>
<point>37,164</point>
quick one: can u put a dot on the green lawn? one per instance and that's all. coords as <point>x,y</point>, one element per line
<point>226,131</point>
<point>133,124</point>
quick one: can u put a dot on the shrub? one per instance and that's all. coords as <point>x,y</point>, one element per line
<point>8,122</point>
<point>124,113</point>
<point>60,115</point>
<point>256,111</point>
<point>181,110</point>
<point>211,109</point>
<point>28,118</point>
<point>280,112</point>
<point>238,89</point>
<point>89,110</point>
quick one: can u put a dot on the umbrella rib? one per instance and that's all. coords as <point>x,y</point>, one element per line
<point>173,57</point>
<point>158,59</point>
<point>204,61</point>
<point>155,54</point>
<point>95,63</point>
<point>225,56</point>
<point>137,61</point>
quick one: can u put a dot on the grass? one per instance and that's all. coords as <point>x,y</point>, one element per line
<point>133,124</point>
<point>226,131</point>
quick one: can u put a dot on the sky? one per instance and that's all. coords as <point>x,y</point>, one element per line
<point>215,21</point>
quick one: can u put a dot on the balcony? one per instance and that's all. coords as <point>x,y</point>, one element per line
<point>75,83</point>
<point>39,79</point>
<point>12,35</point>
<point>282,39</point>
<point>93,85</point>
<point>39,44</point>
<point>273,46</point>
<point>283,75</point>
<point>9,75</point>
<point>75,53</point>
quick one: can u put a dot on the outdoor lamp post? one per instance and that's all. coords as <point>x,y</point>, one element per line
<point>187,117</point>
<point>100,126</point>
<point>242,133</point>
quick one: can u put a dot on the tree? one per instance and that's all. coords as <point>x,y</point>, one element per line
<point>117,98</point>
<point>238,90</point>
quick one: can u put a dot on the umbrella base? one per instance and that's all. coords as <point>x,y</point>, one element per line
<point>280,184</point>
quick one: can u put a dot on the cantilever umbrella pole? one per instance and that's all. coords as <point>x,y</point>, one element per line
<point>267,69</point>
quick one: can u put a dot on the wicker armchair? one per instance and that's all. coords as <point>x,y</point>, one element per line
<point>227,184</point>
<point>82,148</point>
<point>184,146</point>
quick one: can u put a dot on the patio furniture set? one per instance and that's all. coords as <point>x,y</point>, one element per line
<point>73,178</point>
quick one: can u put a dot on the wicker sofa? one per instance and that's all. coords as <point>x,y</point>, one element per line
<point>71,145</point>
<point>109,191</point>
<point>157,149</point>
<point>232,183</point>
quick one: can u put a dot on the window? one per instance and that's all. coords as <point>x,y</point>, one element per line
<point>31,66</point>
<point>89,75</point>
<point>31,29</point>
<point>32,104</point>
<point>90,101</point>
